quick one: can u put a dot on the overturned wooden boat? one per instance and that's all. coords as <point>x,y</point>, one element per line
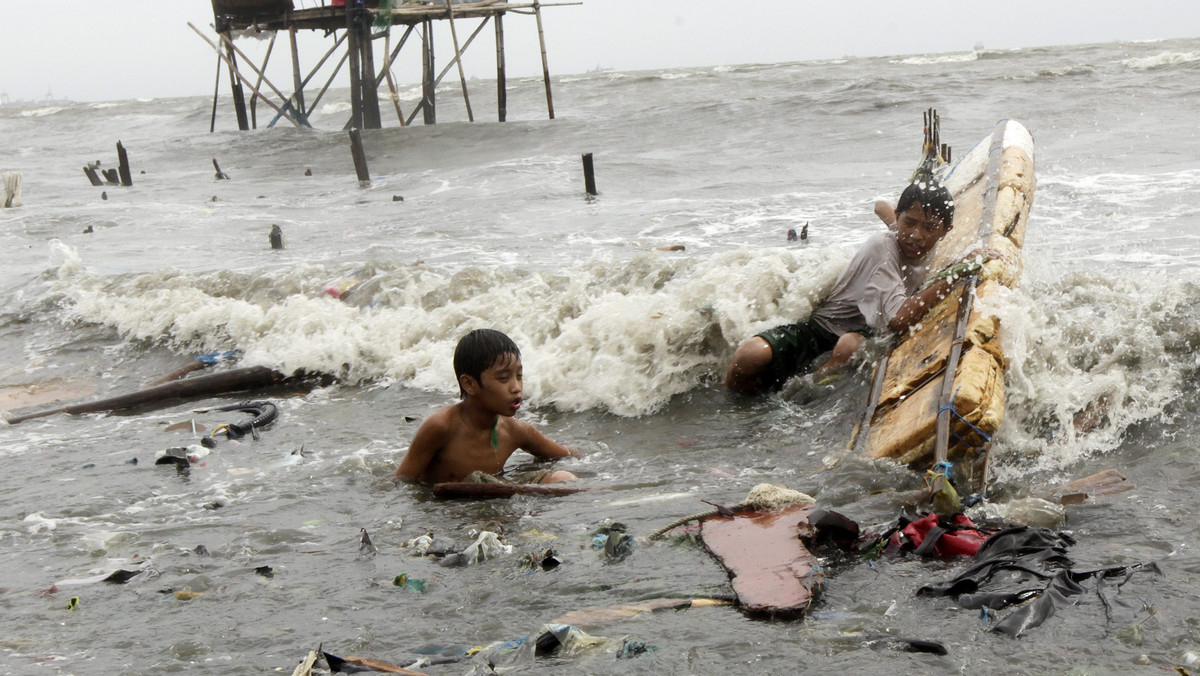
<point>938,394</point>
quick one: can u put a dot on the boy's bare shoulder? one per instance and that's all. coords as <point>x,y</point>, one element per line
<point>441,422</point>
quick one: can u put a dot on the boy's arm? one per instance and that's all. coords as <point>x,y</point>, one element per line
<point>533,442</point>
<point>431,437</point>
<point>915,306</point>
<point>921,302</point>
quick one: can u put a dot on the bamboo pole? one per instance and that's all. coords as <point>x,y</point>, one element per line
<point>387,72</point>
<point>212,123</point>
<point>458,58</point>
<point>537,12</point>
<point>238,74</point>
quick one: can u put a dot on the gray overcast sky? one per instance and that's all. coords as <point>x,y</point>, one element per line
<point>90,50</point>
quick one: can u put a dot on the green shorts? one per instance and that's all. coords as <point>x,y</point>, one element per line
<point>793,349</point>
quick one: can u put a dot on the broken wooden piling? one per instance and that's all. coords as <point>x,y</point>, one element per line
<point>589,175</point>
<point>360,157</point>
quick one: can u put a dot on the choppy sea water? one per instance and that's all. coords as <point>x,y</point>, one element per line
<point>623,346</point>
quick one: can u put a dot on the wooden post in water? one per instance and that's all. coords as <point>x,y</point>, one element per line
<point>360,158</point>
<point>589,175</point>
<point>428,82</point>
<point>123,165</point>
<point>501,82</point>
<point>366,78</point>
<point>537,12</point>
<point>355,51</point>
<point>297,82</point>
<point>235,82</point>
<point>212,123</point>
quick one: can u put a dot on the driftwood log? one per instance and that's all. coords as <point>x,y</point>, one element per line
<point>233,380</point>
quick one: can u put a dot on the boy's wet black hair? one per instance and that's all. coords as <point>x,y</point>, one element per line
<point>478,351</point>
<point>934,198</point>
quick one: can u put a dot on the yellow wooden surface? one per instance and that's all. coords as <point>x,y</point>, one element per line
<point>904,425</point>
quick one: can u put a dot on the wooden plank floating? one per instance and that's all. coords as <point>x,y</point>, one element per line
<point>772,572</point>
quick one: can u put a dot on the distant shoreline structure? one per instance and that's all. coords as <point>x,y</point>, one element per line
<point>7,101</point>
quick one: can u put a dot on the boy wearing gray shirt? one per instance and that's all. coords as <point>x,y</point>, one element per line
<point>879,292</point>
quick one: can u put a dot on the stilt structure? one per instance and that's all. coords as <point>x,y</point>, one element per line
<point>355,26</point>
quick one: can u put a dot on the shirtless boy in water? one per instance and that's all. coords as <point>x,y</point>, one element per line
<point>479,433</point>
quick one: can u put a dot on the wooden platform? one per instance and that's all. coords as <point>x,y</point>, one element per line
<point>276,15</point>
<point>356,27</point>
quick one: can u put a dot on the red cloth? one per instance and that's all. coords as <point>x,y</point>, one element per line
<point>962,539</point>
